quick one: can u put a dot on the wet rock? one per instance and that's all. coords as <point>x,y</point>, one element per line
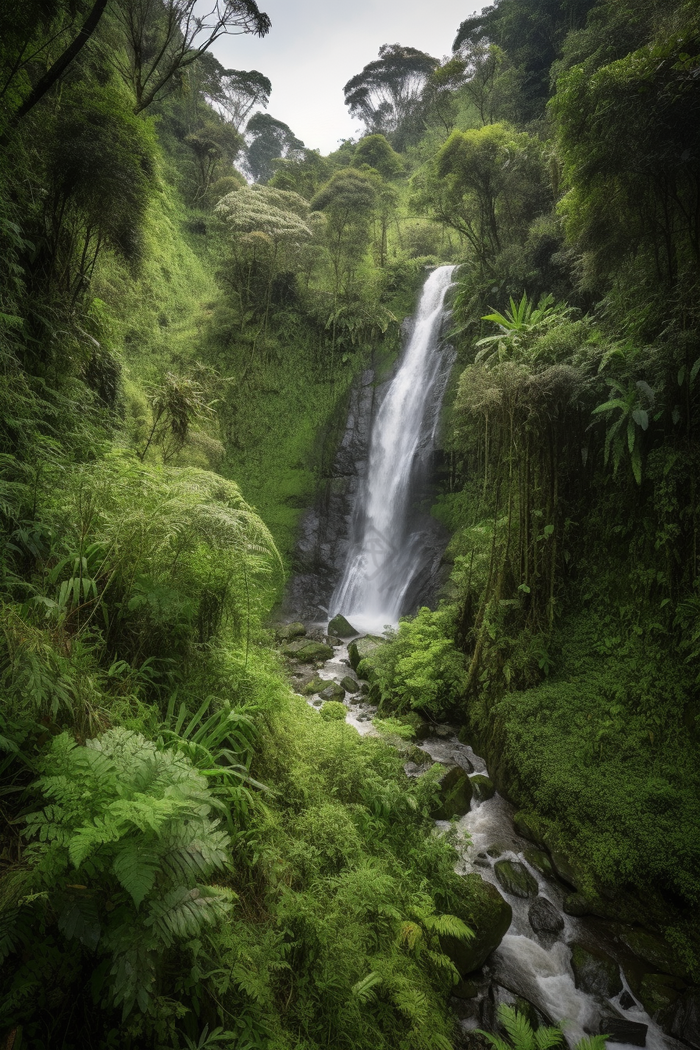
<point>481,861</point>
<point>460,759</point>
<point>563,868</point>
<point>595,972</point>
<point>515,878</point>
<point>333,691</point>
<point>318,703</point>
<point>287,631</point>
<point>659,991</point>
<point>653,950</point>
<point>315,685</point>
<point>420,757</point>
<point>349,684</point>
<point>364,688</point>
<point>544,917</point>
<point>530,827</point>
<point>333,711</point>
<point>443,732</point>
<point>455,795</point>
<point>340,627</point>
<point>539,860</point>
<point>626,1001</point>
<point>576,904</point>
<point>482,787</point>
<point>682,1018</point>
<point>488,915</point>
<point>333,640</point>
<point>621,1030</point>
<point>361,648</point>
<point>307,651</point>
<point>497,849</point>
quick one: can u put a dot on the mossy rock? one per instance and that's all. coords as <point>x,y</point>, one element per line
<point>307,651</point>
<point>333,691</point>
<point>339,626</point>
<point>316,685</point>
<point>455,795</point>
<point>286,632</point>
<point>366,671</point>
<point>483,787</point>
<point>576,904</point>
<point>544,917</point>
<point>530,827</point>
<point>333,711</point>
<point>417,755</point>
<point>487,914</point>
<point>349,684</point>
<point>539,860</point>
<point>659,991</point>
<point>655,951</point>
<point>363,647</point>
<point>595,972</point>
<point>515,878</point>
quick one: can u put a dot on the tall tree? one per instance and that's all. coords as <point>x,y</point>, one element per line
<point>164,37</point>
<point>387,93</point>
<point>235,93</point>
<point>269,140</point>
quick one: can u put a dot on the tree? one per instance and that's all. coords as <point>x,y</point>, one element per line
<point>211,144</point>
<point>270,140</point>
<point>348,202</point>
<point>388,91</point>
<point>376,152</point>
<point>163,37</point>
<point>235,92</point>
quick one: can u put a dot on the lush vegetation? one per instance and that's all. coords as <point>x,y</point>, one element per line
<point>190,856</point>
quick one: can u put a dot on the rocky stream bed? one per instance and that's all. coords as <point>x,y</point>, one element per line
<point>534,946</point>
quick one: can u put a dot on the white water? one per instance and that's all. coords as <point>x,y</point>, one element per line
<point>384,554</point>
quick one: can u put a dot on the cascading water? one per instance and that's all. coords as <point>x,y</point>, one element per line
<point>385,553</point>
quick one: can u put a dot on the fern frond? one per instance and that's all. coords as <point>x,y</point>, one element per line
<point>182,913</point>
<point>363,989</point>
<point>136,867</point>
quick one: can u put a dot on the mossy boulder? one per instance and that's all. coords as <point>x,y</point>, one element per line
<point>362,648</point>
<point>306,651</point>
<point>653,950</point>
<point>530,827</point>
<point>595,972</point>
<point>659,991</point>
<point>515,878</point>
<point>349,684</point>
<point>287,631</point>
<point>487,914</point>
<point>316,685</point>
<point>483,787</point>
<point>576,904</point>
<point>455,794</point>
<point>333,691</point>
<point>539,860</point>
<point>333,711</point>
<point>339,626</point>
<point>682,1018</point>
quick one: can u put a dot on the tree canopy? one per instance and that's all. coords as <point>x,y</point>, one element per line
<point>388,91</point>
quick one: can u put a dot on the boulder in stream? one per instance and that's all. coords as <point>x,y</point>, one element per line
<point>621,1030</point>
<point>515,878</point>
<point>488,915</point>
<point>455,794</point>
<point>530,827</point>
<point>340,626</point>
<point>483,787</point>
<point>316,685</point>
<point>544,917</point>
<point>595,972</point>
<point>333,691</point>
<point>576,904</point>
<point>539,860</point>
<point>287,631</point>
<point>362,648</point>
<point>349,684</point>
<point>682,1018</point>
<point>307,651</point>
<point>653,950</point>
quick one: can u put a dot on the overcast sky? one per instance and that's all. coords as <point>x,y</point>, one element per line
<point>315,46</point>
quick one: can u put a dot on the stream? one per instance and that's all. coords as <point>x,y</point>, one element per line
<point>386,556</point>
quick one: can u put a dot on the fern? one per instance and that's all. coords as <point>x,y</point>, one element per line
<point>129,824</point>
<point>521,1034</point>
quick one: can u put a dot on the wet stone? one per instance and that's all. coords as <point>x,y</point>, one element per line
<point>515,878</point>
<point>307,651</point>
<point>288,631</point>
<point>595,972</point>
<point>626,1001</point>
<point>497,849</point>
<point>576,904</point>
<point>455,795</point>
<point>544,917</point>
<point>333,691</point>
<point>349,684</point>
<point>621,1030</point>
<point>482,787</point>
<point>539,860</point>
<point>340,626</point>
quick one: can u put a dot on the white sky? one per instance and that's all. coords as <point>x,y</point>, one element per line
<point>316,46</point>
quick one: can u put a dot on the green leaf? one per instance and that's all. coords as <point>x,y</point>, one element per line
<point>641,418</point>
<point>136,867</point>
<point>694,371</point>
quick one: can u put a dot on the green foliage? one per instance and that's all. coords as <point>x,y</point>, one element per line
<point>420,668</point>
<point>121,852</point>
<point>333,711</point>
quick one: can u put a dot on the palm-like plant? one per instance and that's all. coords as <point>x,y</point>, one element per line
<point>522,1037</point>
<point>628,417</point>
<point>519,325</point>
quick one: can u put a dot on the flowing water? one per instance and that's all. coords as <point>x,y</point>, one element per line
<point>383,559</point>
<point>387,545</point>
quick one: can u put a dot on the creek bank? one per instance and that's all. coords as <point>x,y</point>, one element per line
<point>604,980</point>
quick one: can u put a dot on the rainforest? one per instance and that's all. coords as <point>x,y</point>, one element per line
<point>349,535</point>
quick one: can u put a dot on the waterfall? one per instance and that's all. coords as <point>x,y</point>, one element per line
<point>386,551</point>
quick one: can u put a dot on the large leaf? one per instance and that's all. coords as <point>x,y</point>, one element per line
<point>136,867</point>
